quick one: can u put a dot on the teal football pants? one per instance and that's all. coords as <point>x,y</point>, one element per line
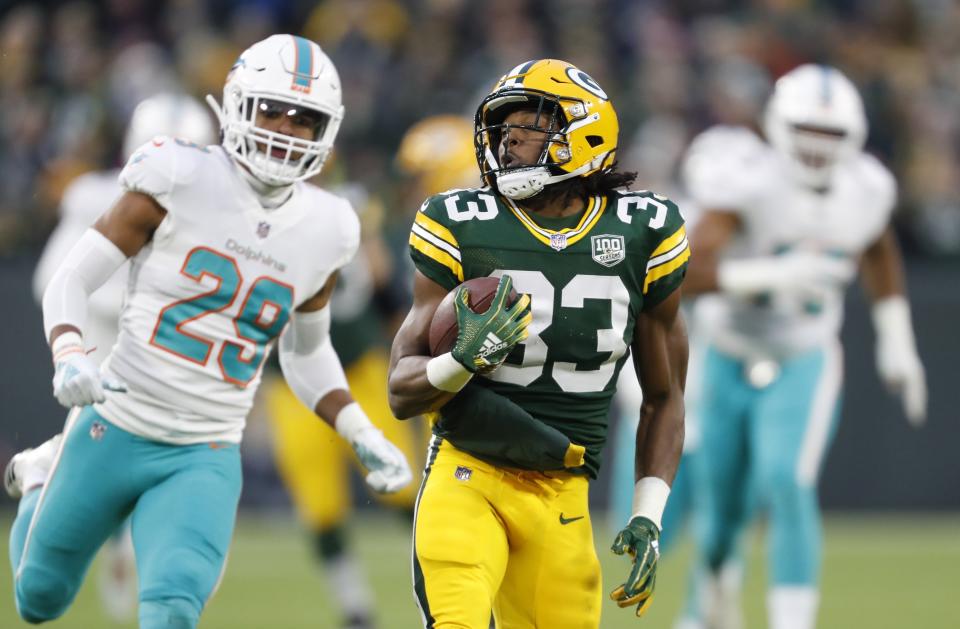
<point>183,501</point>
<point>763,448</point>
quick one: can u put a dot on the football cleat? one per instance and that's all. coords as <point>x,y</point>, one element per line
<point>32,463</point>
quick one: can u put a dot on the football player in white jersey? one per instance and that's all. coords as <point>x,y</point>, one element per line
<point>787,223</point>
<point>83,202</point>
<point>228,249</point>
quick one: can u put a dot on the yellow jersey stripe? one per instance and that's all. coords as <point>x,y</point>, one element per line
<point>664,270</point>
<point>435,228</point>
<point>435,253</point>
<point>670,242</point>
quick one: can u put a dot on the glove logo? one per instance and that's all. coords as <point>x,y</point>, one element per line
<point>491,345</point>
<point>462,473</point>
<point>96,430</point>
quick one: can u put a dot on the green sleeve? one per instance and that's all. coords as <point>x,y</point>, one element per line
<point>433,245</point>
<point>667,263</point>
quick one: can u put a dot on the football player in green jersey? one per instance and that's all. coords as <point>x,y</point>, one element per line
<point>522,400</point>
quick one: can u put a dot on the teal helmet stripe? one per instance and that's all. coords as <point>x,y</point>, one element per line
<point>303,74</point>
<point>826,91</point>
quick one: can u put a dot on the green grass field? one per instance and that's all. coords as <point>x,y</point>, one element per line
<point>880,572</point>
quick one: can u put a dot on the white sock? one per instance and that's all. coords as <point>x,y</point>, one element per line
<point>793,607</point>
<point>349,585</point>
<point>721,597</point>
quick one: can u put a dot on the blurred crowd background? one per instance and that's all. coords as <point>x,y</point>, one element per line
<point>71,74</point>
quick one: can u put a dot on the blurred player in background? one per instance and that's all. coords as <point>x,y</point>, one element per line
<point>502,519</point>
<point>786,223</point>
<point>83,202</point>
<point>227,248</point>
<point>736,91</point>
<point>436,154</point>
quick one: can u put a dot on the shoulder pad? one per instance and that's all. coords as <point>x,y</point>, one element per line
<point>647,211</point>
<point>433,237</point>
<point>879,183</point>
<point>160,165</point>
<point>659,221</point>
<point>88,196</point>
<point>719,169</point>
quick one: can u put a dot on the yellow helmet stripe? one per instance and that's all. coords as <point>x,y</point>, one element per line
<point>438,255</point>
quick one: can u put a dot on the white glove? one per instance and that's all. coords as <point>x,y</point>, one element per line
<point>809,274</point>
<point>77,380</point>
<point>898,363</point>
<point>387,468</point>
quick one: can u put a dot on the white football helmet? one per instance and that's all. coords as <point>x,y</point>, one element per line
<point>176,115</point>
<point>815,118</point>
<point>293,74</point>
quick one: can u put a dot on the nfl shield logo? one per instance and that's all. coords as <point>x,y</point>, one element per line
<point>462,473</point>
<point>607,249</point>
<point>263,229</point>
<point>96,431</point>
<point>558,241</point>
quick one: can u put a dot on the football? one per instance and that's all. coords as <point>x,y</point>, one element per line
<point>443,327</point>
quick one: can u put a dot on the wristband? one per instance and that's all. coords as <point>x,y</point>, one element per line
<point>447,374</point>
<point>351,420</point>
<point>891,319</point>
<point>66,343</point>
<point>650,495</point>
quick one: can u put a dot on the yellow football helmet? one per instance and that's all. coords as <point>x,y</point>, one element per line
<point>573,110</point>
<point>438,151</point>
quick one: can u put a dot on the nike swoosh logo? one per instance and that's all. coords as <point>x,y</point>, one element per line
<point>564,520</point>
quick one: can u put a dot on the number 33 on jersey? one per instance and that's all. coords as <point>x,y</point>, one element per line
<point>215,287</point>
<point>588,277</point>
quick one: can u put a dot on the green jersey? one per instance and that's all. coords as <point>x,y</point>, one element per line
<point>588,277</point>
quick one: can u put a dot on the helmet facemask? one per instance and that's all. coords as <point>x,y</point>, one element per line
<point>574,115</point>
<point>273,157</point>
<point>523,181</point>
<point>283,75</point>
<point>816,150</point>
<point>815,119</point>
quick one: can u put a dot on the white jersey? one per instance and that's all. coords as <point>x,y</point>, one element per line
<point>731,169</point>
<point>211,292</point>
<point>85,199</point>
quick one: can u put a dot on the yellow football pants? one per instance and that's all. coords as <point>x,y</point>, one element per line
<point>519,543</point>
<point>312,458</point>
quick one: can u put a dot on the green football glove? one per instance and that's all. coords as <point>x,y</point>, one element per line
<point>484,340</point>
<point>641,540</point>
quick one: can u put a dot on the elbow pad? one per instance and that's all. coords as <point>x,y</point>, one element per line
<point>87,266</point>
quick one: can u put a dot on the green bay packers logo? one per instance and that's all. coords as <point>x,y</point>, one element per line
<point>584,80</point>
<point>607,249</point>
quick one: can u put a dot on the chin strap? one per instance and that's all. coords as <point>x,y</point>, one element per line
<point>528,181</point>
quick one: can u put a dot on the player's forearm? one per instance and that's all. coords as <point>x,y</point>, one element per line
<point>660,436</point>
<point>330,405</point>
<point>881,268</point>
<point>410,390</point>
